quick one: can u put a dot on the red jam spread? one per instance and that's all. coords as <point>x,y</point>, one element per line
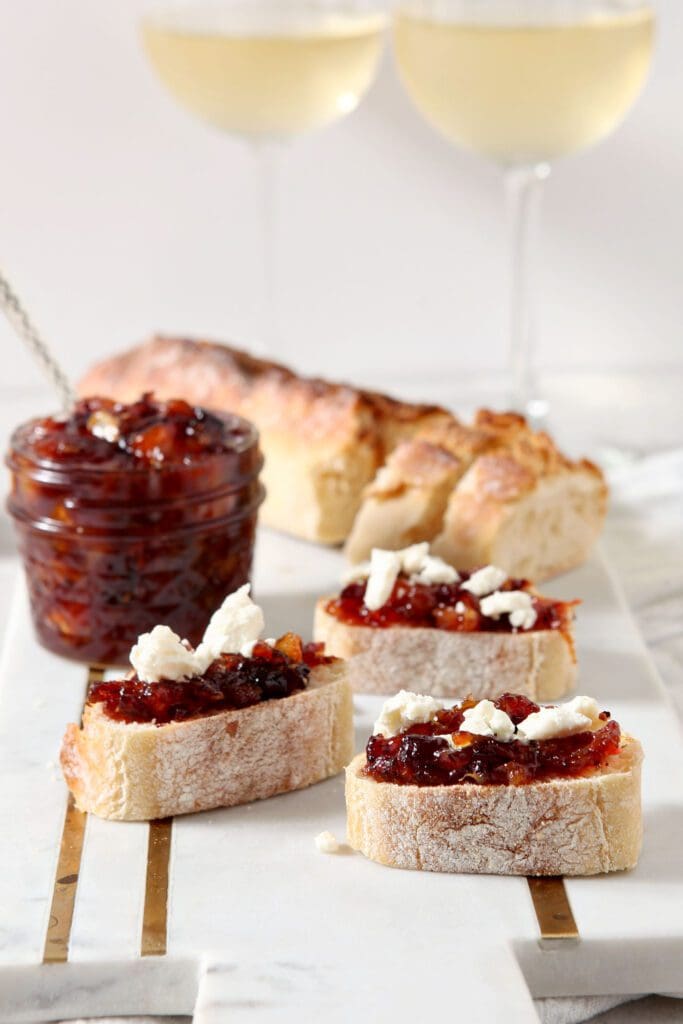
<point>433,605</point>
<point>146,433</point>
<point>231,681</point>
<point>419,757</point>
<point>130,515</point>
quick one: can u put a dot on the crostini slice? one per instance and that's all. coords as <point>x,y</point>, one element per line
<point>236,720</point>
<point>407,616</point>
<point>496,787</point>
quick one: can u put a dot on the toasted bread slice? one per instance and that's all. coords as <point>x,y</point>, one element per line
<point>131,771</point>
<point>565,826</point>
<point>539,664</point>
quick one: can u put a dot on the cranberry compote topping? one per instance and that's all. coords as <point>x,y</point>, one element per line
<point>111,435</point>
<point>421,757</point>
<point>232,681</point>
<point>433,605</point>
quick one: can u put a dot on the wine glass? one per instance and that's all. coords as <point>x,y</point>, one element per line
<point>524,83</point>
<point>266,71</point>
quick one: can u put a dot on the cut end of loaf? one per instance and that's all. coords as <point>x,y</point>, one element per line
<point>580,826</point>
<point>506,497</point>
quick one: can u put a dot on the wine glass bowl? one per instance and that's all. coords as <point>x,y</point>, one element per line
<point>530,88</point>
<point>268,69</point>
<point>524,84</point>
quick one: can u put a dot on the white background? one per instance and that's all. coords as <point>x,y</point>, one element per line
<point>120,214</point>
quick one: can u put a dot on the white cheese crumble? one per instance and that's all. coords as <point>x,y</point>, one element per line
<point>161,654</point>
<point>103,425</point>
<point>235,627</point>
<point>578,715</point>
<point>403,710</point>
<point>413,557</point>
<point>326,842</point>
<point>485,719</point>
<point>435,570</point>
<point>517,604</point>
<point>384,568</point>
<point>485,581</point>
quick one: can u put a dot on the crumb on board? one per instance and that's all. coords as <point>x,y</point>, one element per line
<point>327,843</point>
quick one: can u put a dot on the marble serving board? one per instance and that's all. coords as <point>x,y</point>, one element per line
<point>261,926</point>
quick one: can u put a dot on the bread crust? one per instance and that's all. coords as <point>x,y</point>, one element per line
<point>407,500</point>
<point>342,463</point>
<point>322,442</point>
<point>532,526</point>
<point>582,826</point>
<point>515,500</point>
<point>139,771</point>
<point>539,664</point>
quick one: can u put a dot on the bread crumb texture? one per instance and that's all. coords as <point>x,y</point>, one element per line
<point>582,826</point>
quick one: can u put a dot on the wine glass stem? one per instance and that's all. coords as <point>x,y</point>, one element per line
<point>268,159</point>
<point>523,187</point>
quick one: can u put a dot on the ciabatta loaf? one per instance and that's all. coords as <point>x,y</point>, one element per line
<point>322,442</point>
<point>343,463</point>
<point>539,664</point>
<point>565,826</point>
<point>132,771</point>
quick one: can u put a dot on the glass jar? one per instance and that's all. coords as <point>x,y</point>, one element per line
<point>112,546</point>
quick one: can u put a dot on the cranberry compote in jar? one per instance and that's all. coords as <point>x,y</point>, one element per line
<point>131,515</point>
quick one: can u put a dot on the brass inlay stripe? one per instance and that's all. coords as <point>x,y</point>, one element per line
<point>56,950</point>
<point>153,942</point>
<point>553,910</point>
<point>95,675</point>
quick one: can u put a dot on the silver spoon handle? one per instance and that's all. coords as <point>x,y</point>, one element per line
<point>20,321</point>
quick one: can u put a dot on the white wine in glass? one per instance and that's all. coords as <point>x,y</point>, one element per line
<point>266,71</point>
<point>524,83</point>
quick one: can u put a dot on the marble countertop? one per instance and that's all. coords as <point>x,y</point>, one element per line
<point>644,542</point>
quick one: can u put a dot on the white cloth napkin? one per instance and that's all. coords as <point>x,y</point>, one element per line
<point>644,543</point>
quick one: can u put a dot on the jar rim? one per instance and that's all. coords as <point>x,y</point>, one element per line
<point>18,446</point>
<point>72,477</point>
